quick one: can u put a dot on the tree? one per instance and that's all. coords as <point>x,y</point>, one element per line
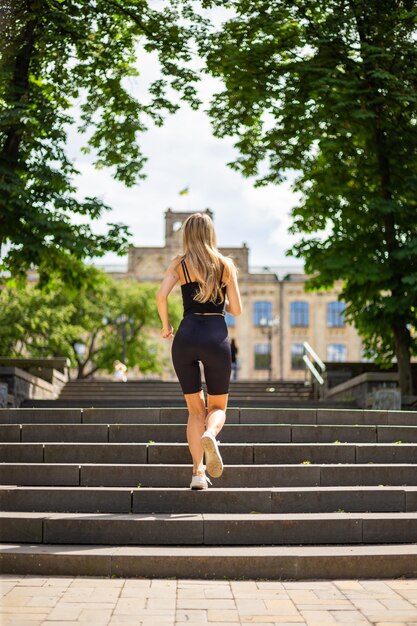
<point>55,54</point>
<point>116,319</point>
<point>92,325</point>
<point>326,89</point>
<point>34,322</point>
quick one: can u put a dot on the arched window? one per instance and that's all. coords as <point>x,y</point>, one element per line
<point>297,351</point>
<point>335,314</point>
<point>336,352</point>
<point>299,314</point>
<point>230,319</point>
<point>262,312</point>
<point>262,354</point>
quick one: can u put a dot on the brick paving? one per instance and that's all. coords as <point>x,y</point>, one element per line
<point>70,601</point>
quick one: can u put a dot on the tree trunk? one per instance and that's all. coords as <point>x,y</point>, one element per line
<point>399,327</point>
<point>402,352</point>
<point>401,332</point>
<point>16,94</point>
<point>80,373</point>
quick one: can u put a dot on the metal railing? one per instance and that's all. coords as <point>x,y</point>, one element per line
<point>313,364</point>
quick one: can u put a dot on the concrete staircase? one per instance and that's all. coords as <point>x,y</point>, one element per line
<point>306,493</point>
<point>155,393</point>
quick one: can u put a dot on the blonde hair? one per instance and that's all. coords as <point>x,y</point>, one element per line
<point>200,249</point>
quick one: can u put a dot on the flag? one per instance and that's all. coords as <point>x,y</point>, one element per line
<point>184,191</point>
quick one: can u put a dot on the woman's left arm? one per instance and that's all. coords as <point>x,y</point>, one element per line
<point>170,279</point>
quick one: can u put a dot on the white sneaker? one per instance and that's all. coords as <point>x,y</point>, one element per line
<point>214,462</point>
<point>199,482</point>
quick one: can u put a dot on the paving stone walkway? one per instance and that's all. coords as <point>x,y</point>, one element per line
<point>69,601</point>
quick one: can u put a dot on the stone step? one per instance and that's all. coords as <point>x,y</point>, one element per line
<point>231,433</point>
<point>144,397</point>
<point>162,390</point>
<point>155,475</point>
<point>156,380</point>
<point>239,387</point>
<point>295,478</point>
<point>178,415</point>
<point>265,402</point>
<point>211,529</point>
<point>40,416</point>
<point>261,386</point>
<point>214,500</point>
<point>209,562</point>
<point>173,384</point>
<point>232,453</point>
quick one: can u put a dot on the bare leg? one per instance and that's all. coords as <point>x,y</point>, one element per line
<point>195,428</point>
<point>216,413</point>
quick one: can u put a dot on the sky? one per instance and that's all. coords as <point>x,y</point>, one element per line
<point>183,153</point>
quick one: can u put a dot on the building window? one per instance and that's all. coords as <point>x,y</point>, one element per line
<point>335,314</point>
<point>336,352</point>
<point>299,314</point>
<point>297,352</point>
<point>230,319</point>
<point>262,310</point>
<point>262,356</point>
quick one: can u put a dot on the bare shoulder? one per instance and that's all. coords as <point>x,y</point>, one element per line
<point>230,269</point>
<point>229,262</point>
<point>175,261</point>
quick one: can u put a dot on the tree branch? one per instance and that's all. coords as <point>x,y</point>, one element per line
<point>91,372</point>
<point>93,337</point>
<point>132,16</point>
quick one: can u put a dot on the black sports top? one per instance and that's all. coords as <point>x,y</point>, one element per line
<point>189,289</point>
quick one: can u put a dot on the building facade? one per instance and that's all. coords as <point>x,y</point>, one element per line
<point>278,314</point>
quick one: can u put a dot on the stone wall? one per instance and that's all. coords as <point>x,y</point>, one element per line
<point>40,379</point>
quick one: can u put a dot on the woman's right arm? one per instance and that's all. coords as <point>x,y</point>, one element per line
<point>233,300</point>
<point>170,279</point>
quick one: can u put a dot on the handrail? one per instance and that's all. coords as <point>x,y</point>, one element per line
<point>315,356</point>
<point>313,363</point>
<point>313,370</point>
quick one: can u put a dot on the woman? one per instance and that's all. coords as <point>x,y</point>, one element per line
<point>209,288</point>
<point>120,372</point>
<point>235,350</point>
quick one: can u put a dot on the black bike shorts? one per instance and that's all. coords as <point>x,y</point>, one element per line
<point>205,339</point>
